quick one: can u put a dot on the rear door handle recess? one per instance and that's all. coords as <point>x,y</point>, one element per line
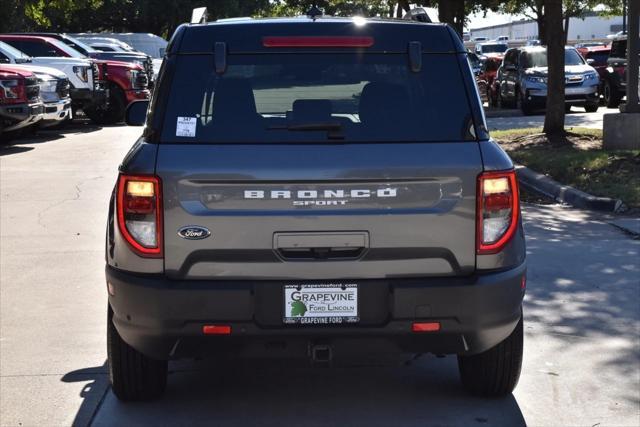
<point>321,246</point>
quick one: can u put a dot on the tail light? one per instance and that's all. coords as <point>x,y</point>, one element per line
<point>315,41</point>
<point>498,210</point>
<point>139,207</point>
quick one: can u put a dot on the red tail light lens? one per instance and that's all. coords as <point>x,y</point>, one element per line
<point>139,207</point>
<point>311,41</point>
<point>498,210</point>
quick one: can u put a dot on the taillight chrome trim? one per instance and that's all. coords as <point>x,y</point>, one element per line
<point>157,251</point>
<point>497,246</point>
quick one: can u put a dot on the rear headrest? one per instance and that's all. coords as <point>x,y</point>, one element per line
<point>311,110</point>
<point>233,100</point>
<point>384,104</point>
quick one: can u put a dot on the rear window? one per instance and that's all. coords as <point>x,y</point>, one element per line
<point>494,48</point>
<point>344,97</point>
<point>538,58</point>
<point>599,57</point>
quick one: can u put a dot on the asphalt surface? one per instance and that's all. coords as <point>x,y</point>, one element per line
<point>511,119</point>
<point>582,323</point>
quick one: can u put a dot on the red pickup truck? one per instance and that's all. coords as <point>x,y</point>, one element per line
<point>20,103</point>
<point>124,82</point>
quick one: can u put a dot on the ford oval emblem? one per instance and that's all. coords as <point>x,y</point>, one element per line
<point>194,232</point>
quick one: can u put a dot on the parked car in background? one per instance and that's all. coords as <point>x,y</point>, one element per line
<point>615,74</point>
<point>480,39</point>
<point>490,47</point>
<point>85,49</point>
<point>148,43</point>
<point>502,39</point>
<point>588,45</point>
<point>488,72</point>
<point>20,103</point>
<point>534,42</point>
<point>120,45</point>
<point>86,88</point>
<point>597,57</point>
<point>476,67</point>
<point>522,80</point>
<point>54,93</point>
<point>124,82</point>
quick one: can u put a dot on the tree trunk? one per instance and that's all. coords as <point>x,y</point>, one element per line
<point>554,118</point>
<point>566,28</point>
<point>540,20</point>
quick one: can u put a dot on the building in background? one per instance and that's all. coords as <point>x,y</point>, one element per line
<point>590,27</point>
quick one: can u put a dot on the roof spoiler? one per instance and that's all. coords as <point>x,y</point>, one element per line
<point>199,15</point>
<point>417,14</point>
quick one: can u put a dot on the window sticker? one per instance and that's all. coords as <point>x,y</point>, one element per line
<point>186,126</point>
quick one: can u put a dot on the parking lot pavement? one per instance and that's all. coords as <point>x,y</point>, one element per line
<point>577,118</point>
<point>582,323</point>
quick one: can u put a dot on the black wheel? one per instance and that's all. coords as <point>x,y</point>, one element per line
<point>591,108</point>
<point>496,371</point>
<point>493,99</point>
<point>112,111</point>
<point>612,96</point>
<point>501,102</point>
<point>523,105</point>
<point>133,375</point>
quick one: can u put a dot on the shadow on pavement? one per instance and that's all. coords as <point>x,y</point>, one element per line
<point>287,393</point>
<point>584,282</point>
<point>29,137</point>
<point>7,150</point>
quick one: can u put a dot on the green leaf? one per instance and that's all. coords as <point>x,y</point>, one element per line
<point>298,308</point>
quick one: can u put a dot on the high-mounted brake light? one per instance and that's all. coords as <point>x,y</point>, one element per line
<point>498,209</point>
<point>139,207</point>
<point>316,41</point>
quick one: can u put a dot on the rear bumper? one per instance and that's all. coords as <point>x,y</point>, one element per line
<point>164,318</point>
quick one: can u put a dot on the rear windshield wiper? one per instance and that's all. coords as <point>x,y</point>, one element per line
<point>334,130</point>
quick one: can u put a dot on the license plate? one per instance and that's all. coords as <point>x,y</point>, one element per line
<point>331,303</point>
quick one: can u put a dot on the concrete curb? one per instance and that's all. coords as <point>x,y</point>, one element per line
<point>630,226</point>
<point>546,186</point>
<point>493,113</point>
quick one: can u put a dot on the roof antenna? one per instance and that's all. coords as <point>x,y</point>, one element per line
<point>315,12</point>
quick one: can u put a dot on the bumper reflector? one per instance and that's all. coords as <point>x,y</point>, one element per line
<point>425,327</point>
<point>216,330</point>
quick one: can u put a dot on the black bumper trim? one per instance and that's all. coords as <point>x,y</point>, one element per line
<point>163,318</point>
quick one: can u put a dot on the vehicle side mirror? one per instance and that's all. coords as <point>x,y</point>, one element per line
<point>136,113</point>
<point>591,61</point>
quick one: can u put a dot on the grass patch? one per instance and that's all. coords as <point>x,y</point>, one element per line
<point>577,160</point>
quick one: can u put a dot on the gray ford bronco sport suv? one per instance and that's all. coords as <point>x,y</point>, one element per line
<point>314,187</point>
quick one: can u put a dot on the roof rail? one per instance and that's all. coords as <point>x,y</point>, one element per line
<point>417,14</point>
<point>199,15</point>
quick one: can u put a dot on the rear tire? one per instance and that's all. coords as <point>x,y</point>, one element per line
<point>496,371</point>
<point>523,104</point>
<point>612,96</point>
<point>133,375</point>
<point>111,113</point>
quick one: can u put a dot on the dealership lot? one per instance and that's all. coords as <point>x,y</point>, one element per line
<point>582,352</point>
